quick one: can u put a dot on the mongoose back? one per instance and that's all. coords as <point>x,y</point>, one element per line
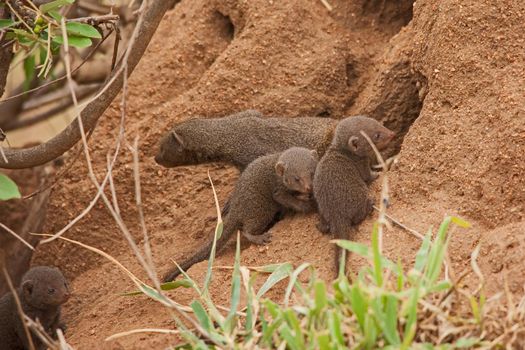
<point>341,177</point>
<point>241,138</point>
<point>269,185</point>
<point>42,290</point>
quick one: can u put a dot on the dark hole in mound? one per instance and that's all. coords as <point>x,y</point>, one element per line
<point>399,101</point>
<point>391,14</point>
<point>225,27</point>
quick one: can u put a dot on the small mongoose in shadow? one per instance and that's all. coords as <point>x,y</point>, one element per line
<point>42,290</point>
<point>342,175</point>
<point>270,185</point>
<point>241,138</point>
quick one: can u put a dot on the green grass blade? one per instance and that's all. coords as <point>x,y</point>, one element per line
<point>202,316</point>
<point>280,273</point>
<point>216,236</point>
<point>378,268</point>
<point>236,288</point>
<point>293,281</point>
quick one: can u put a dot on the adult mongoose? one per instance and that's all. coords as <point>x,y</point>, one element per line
<point>268,186</point>
<point>241,138</point>
<point>42,290</point>
<point>342,175</point>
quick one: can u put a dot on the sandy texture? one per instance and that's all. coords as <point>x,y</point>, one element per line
<point>451,83</point>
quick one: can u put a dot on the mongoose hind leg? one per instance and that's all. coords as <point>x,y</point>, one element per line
<point>255,229</point>
<point>260,239</point>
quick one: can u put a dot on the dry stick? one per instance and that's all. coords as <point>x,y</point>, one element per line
<point>19,308</point>
<point>138,199</point>
<point>96,20</point>
<point>53,111</point>
<point>16,236</point>
<point>142,330</point>
<point>112,186</point>
<point>327,5</point>
<point>40,332</point>
<point>147,23</point>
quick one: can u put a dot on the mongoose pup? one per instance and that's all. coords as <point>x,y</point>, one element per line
<point>268,186</point>
<point>342,175</point>
<point>42,290</point>
<point>241,138</point>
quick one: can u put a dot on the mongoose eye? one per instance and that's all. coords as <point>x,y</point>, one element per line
<point>377,136</point>
<point>297,178</point>
<point>51,291</point>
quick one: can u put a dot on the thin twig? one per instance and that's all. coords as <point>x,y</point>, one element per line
<point>19,308</point>
<point>96,20</point>
<point>404,227</point>
<point>16,236</point>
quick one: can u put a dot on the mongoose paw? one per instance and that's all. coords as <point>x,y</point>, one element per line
<point>323,227</point>
<point>261,239</point>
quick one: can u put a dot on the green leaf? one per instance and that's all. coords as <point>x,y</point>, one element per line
<point>82,30</point>
<point>29,71</point>
<point>6,23</point>
<point>466,342</point>
<point>8,188</point>
<point>54,5</point>
<point>76,41</point>
<point>56,15</point>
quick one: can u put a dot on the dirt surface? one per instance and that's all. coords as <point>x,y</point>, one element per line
<point>447,76</point>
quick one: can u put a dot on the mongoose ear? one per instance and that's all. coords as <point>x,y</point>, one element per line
<point>27,287</point>
<point>314,154</point>
<point>177,138</point>
<point>353,143</point>
<point>279,168</point>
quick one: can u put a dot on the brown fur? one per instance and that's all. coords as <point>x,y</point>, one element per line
<point>241,138</point>
<point>268,186</point>
<point>42,291</point>
<point>342,175</point>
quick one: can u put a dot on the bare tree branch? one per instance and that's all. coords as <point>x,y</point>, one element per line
<point>30,157</point>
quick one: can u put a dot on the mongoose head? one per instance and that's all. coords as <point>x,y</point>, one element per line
<point>296,167</point>
<point>177,148</point>
<point>348,135</point>
<point>43,287</point>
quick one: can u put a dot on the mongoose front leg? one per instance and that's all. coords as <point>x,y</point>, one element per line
<point>288,200</point>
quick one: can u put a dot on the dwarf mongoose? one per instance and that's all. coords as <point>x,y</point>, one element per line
<point>269,185</point>
<point>341,177</point>
<point>42,290</point>
<point>241,138</point>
